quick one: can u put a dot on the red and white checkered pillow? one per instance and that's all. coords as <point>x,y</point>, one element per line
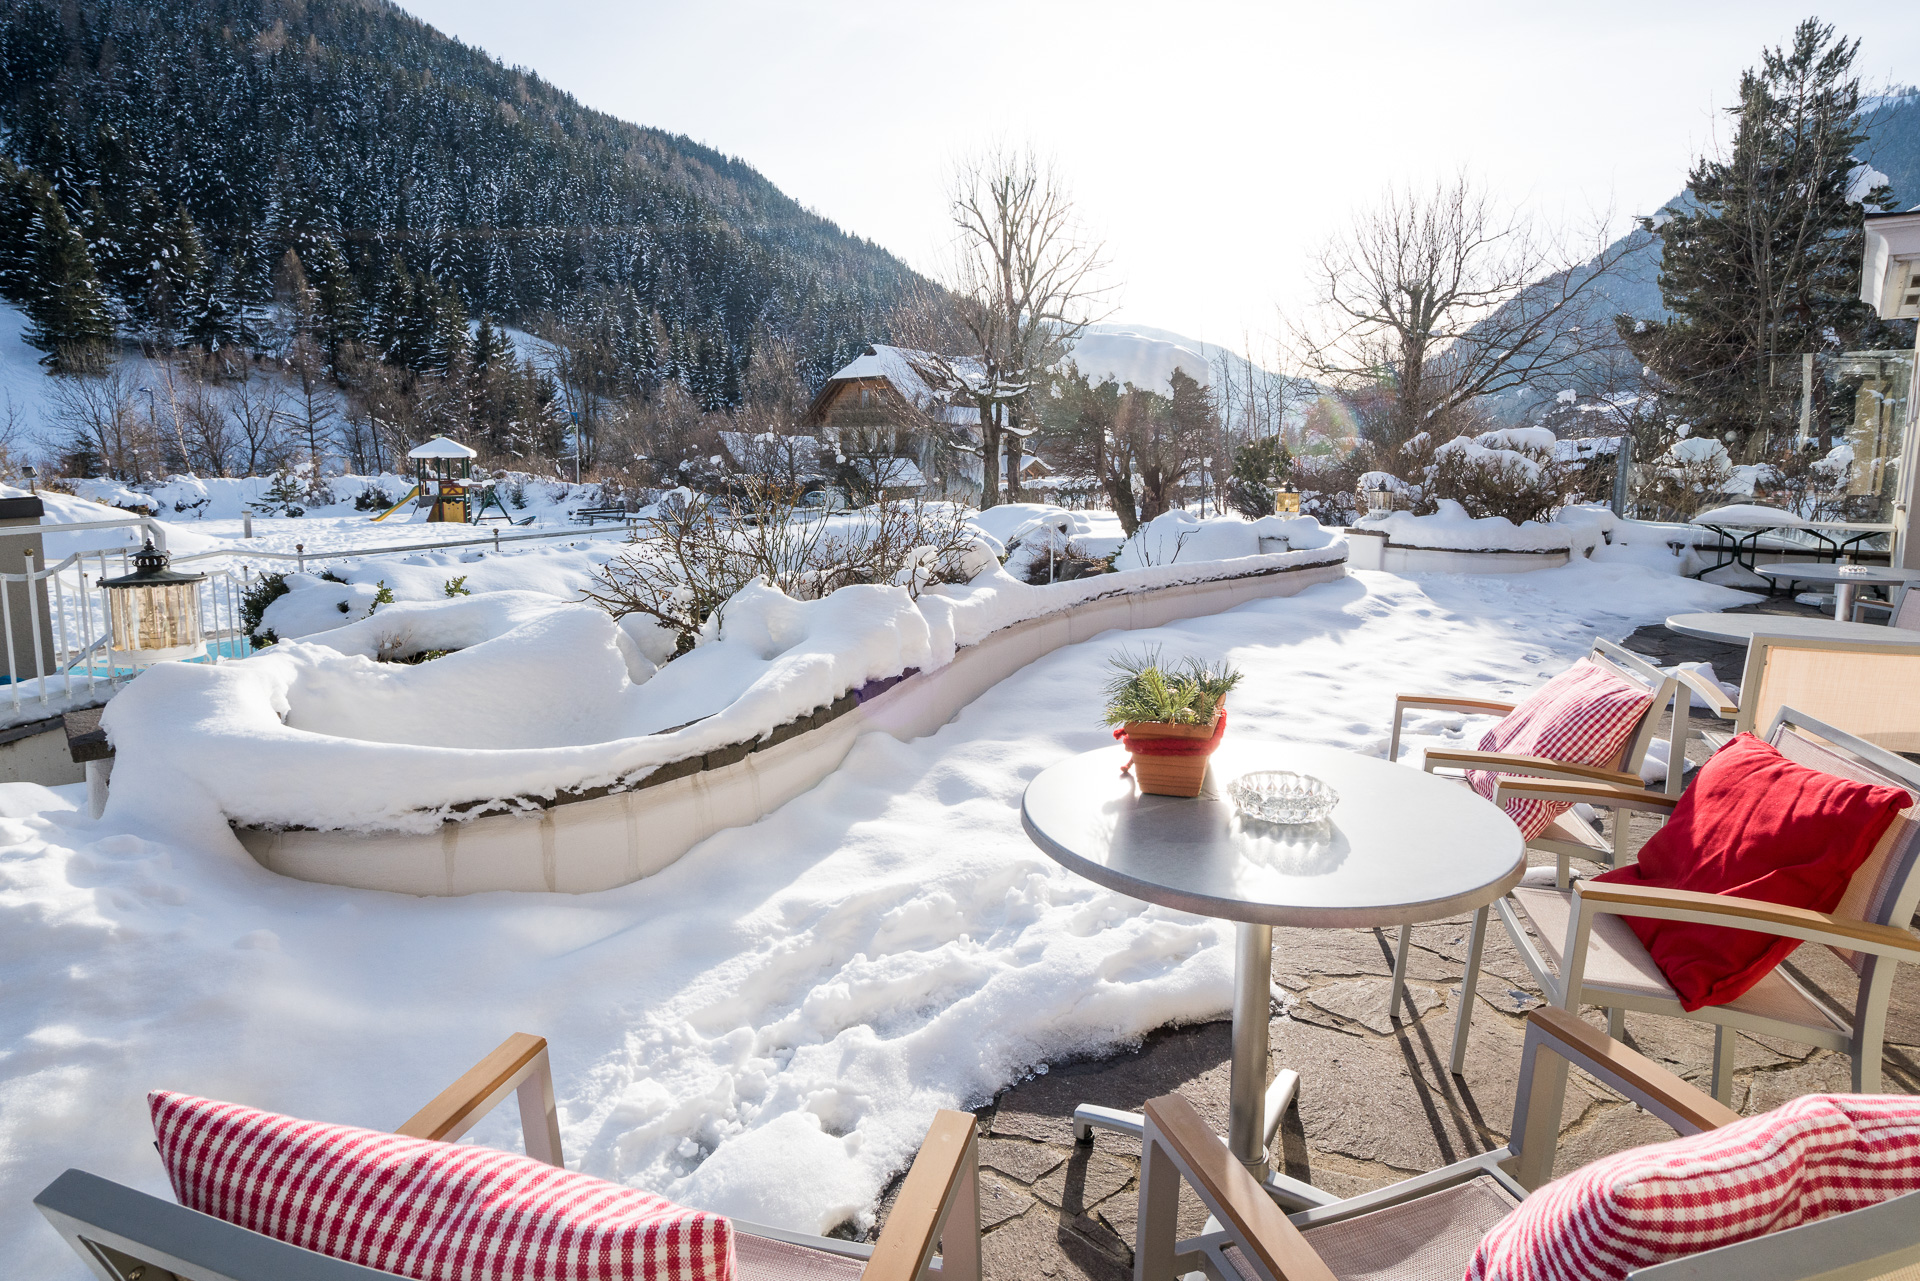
<point>417,1208</point>
<point>1820,1155</point>
<point>1583,716</point>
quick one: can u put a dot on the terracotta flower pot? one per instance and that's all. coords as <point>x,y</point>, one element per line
<point>1167,774</point>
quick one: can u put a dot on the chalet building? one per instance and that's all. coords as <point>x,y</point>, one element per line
<point>906,414</point>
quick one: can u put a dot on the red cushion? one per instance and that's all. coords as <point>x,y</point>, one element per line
<point>422,1209</point>
<point>1753,825</point>
<point>1820,1155</point>
<point>1583,716</point>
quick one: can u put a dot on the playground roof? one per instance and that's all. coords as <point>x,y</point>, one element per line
<point>441,447</point>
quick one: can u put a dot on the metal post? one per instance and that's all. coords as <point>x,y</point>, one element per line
<point>1247,1089</point>
<point>33,615</point>
<point>1622,472</point>
<point>60,642</point>
<point>246,524</point>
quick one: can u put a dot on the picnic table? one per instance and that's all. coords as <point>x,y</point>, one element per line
<point>1741,526</point>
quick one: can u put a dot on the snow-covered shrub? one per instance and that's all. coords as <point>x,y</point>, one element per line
<point>1181,536</point>
<point>1056,546</point>
<point>695,555</point>
<point>1515,474</point>
<point>253,606</point>
<point>1328,485</point>
<point>373,499</point>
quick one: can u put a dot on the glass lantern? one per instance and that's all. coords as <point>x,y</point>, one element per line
<point>154,611</point>
<point>1379,499</point>
<point>1286,503</point>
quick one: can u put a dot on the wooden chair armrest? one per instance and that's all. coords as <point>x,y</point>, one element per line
<point>1449,702</point>
<point>1749,914</point>
<point>1259,1225</point>
<point>517,1064</point>
<point>1614,795</point>
<point>1688,1109</point>
<point>941,1189</point>
<point>1538,766</point>
<point>1715,698</point>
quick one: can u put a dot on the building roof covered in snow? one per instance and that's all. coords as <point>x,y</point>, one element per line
<point>930,382</point>
<point>441,447</point>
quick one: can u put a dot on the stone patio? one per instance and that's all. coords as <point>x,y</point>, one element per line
<point>1376,1101</point>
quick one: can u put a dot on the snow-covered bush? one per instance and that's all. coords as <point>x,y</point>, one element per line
<point>1057,546</point>
<point>695,556</point>
<point>1181,537</point>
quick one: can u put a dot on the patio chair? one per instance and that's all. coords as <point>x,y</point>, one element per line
<point>1867,688</point>
<point>125,1235</point>
<point>1571,834</point>
<point>1902,609</point>
<point>1429,1226</point>
<point>1581,952</point>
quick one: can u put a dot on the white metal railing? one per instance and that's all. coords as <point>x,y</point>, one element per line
<point>67,608</point>
<point>67,599</point>
<point>299,556</point>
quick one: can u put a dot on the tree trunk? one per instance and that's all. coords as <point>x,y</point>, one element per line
<point>1014,448</point>
<point>989,452</point>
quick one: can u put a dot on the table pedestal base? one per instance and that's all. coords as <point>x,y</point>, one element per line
<point>1254,1106</point>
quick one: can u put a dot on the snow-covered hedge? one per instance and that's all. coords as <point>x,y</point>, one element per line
<point>544,696</point>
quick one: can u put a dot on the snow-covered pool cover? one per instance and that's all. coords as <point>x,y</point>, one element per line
<point>766,1027</point>
<point>544,696</point>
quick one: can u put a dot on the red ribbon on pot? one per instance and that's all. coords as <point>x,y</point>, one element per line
<point>1156,745</point>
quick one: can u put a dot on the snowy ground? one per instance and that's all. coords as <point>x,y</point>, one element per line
<point>763,1028</point>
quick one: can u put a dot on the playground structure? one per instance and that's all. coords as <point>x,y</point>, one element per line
<point>445,488</point>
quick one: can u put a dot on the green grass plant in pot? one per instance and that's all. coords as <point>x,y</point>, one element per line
<point>1169,716</point>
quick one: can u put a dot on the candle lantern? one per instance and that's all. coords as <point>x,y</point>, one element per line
<point>154,611</point>
<point>1379,498</point>
<point>1286,503</point>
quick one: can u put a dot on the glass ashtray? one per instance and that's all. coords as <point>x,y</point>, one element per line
<point>1282,796</point>
<point>1852,570</point>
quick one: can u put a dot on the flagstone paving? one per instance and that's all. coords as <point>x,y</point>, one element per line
<point>1376,1100</point>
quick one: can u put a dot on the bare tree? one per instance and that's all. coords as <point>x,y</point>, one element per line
<point>1446,298</point>
<point>1026,283</point>
<point>254,408</point>
<point>97,413</point>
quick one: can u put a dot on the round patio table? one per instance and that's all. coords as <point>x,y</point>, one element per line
<point>1844,579</point>
<point>1402,847</point>
<point>1739,629</point>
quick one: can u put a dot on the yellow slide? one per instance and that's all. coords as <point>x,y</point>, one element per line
<point>411,495</point>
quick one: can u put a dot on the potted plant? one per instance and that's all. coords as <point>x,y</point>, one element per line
<point>1170,717</point>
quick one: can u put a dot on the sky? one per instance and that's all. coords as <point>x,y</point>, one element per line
<point>1212,147</point>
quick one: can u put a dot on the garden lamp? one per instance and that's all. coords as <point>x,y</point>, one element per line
<point>1379,498</point>
<point>154,611</point>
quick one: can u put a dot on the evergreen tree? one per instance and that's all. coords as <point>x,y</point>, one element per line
<point>337,315</point>
<point>177,286</point>
<point>65,302</point>
<point>16,234</point>
<point>1761,262</point>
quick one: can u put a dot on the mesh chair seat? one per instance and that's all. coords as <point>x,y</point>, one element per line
<point>1618,961</point>
<point>1430,1238</point>
<point>765,1259</point>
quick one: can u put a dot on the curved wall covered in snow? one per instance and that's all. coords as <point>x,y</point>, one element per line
<point>575,841</point>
